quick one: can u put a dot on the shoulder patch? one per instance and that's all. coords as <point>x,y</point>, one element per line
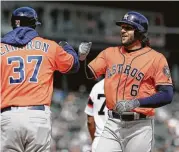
<point>166,71</point>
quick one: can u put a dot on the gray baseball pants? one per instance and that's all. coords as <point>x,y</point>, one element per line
<point>127,136</point>
<point>24,130</point>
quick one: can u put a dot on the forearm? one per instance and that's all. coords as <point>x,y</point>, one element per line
<point>162,97</point>
<point>69,49</point>
<point>76,64</point>
<point>91,127</point>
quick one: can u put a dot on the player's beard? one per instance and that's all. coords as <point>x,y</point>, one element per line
<point>129,42</point>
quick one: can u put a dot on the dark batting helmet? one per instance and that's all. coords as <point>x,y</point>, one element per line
<point>24,16</point>
<point>140,24</point>
<point>136,20</point>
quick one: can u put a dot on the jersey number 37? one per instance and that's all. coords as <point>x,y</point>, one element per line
<point>20,69</point>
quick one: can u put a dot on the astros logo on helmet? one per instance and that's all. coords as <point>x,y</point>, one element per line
<point>135,19</point>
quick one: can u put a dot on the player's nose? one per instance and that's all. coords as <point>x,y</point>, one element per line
<point>123,31</point>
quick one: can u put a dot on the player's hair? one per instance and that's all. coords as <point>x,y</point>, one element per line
<point>142,38</point>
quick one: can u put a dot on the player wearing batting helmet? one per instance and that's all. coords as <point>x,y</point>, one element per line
<point>24,16</point>
<point>28,62</point>
<point>137,80</point>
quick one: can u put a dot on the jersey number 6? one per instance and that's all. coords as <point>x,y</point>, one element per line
<point>134,90</point>
<point>21,68</point>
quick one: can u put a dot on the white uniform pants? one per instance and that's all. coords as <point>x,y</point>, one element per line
<point>95,143</point>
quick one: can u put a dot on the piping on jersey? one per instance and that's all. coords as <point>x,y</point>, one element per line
<point>127,75</point>
<point>130,65</point>
<point>120,75</point>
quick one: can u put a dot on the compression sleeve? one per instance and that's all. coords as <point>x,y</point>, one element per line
<point>76,64</point>
<point>69,49</point>
<point>162,97</point>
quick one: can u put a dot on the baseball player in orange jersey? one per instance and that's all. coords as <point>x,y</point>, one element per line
<point>137,80</point>
<point>97,112</point>
<point>28,62</point>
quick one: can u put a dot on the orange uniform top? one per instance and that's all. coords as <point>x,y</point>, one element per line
<point>27,72</point>
<point>131,75</point>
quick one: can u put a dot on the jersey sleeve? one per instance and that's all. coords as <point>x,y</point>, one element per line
<point>63,60</point>
<point>162,74</point>
<point>98,65</point>
<point>89,107</point>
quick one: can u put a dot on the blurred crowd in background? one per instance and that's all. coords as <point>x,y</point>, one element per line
<point>76,23</point>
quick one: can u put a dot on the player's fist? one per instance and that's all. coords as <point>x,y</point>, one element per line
<point>83,50</point>
<point>126,105</point>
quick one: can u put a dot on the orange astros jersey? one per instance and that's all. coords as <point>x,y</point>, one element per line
<point>131,75</point>
<point>27,72</point>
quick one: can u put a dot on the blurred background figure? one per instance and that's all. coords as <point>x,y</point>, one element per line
<point>97,113</point>
<point>92,21</point>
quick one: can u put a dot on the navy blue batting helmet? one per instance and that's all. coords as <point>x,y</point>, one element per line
<point>24,16</point>
<point>135,19</point>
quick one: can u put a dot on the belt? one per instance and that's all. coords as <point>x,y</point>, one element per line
<point>126,116</point>
<point>38,107</point>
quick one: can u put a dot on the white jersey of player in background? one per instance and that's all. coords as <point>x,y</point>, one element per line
<point>96,107</point>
